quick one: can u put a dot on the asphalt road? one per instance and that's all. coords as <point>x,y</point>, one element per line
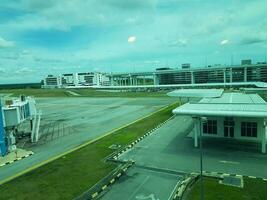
<point>169,147</point>
<point>89,118</point>
<point>143,184</point>
<point>153,153</point>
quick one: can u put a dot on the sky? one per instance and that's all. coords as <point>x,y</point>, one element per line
<point>40,37</point>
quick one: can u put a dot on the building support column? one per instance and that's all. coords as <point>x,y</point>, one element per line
<point>197,124</point>
<point>263,146</point>
<point>155,79</point>
<point>135,80</point>
<point>231,75</point>
<point>196,133</point>
<point>224,76</point>
<point>245,74</point>
<point>131,80</point>
<point>144,80</point>
<point>192,78</point>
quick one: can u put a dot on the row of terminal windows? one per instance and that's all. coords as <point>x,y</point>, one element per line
<point>248,129</point>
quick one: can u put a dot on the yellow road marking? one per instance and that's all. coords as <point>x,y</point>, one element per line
<point>78,147</point>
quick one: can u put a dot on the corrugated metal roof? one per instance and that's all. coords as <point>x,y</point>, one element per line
<point>234,98</point>
<point>229,104</point>
<point>196,93</point>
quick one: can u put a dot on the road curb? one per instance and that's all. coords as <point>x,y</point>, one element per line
<point>103,185</point>
<point>221,175</point>
<point>181,188</point>
<point>114,156</point>
<point>17,159</point>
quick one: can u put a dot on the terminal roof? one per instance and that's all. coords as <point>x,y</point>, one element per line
<point>229,104</point>
<point>196,93</point>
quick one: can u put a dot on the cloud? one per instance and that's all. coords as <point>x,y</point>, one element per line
<point>130,4</point>
<point>2,70</point>
<point>65,14</point>
<point>5,43</point>
<point>179,43</point>
<point>248,41</point>
<point>224,42</point>
<point>131,39</point>
<point>24,70</point>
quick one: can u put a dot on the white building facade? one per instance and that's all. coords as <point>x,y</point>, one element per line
<point>52,82</point>
<point>76,79</point>
<point>236,116</point>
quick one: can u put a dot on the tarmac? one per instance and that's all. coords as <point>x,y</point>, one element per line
<point>169,148</point>
<point>88,118</point>
<point>141,184</point>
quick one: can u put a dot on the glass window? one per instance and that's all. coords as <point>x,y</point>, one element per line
<point>249,129</point>
<point>210,127</point>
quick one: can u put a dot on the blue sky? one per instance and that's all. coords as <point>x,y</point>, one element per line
<point>58,36</point>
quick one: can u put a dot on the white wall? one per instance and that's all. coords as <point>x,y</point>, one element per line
<point>237,128</point>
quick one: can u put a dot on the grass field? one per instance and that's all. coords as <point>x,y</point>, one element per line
<point>254,189</point>
<point>81,92</point>
<point>70,175</point>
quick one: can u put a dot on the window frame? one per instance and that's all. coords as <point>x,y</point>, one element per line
<point>249,129</point>
<point>210,127</point>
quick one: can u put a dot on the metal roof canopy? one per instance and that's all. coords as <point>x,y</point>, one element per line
<point>229,104</point>
<point>211,93</point>
<point>257,84</point>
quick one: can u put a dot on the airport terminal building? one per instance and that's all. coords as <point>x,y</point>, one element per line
<point>246,72</point>
<point>212,74</point>
<point>237,116</point>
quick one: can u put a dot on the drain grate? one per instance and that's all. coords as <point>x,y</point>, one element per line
<point>232,181</point>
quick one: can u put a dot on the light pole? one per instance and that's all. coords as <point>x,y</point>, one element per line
<point>201,120</point>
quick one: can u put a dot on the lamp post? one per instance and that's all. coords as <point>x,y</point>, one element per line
<point>201,120</point>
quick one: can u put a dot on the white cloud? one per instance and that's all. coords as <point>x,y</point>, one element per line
<point>131,39</point>
<point>2,70</point>
<point>63,15</point>
<point>179,43</point>
<point>224,42</point>
<point>5,43</point>
<point>24,70</point>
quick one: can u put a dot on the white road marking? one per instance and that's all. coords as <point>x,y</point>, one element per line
<point>140,186</point>
<point>229,162</point>
<point>151,196</point>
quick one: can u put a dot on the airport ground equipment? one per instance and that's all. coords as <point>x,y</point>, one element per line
<point>13,114</point>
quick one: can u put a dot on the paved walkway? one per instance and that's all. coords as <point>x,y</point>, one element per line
<point>170,148</point>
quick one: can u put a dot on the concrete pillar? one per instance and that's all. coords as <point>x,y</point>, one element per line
<point>131,80</point>
<point>155,78</point>
<point>197,124</point>
<point>135,82</point>
<point>112,80</point>
<point>192,78</point>
<point>231,75</point>
<point>245,74</point>
<point>196,133</point>
<point>224,76</point>
<point>144,80</point>
<point>263,144</point>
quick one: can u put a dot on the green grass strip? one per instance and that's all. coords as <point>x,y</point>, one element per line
<point>72,174</point>
<point>253,189</point>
